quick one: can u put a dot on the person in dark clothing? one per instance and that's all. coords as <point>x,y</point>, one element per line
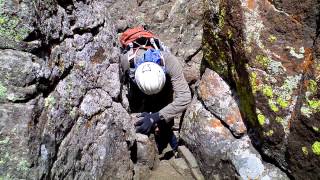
<point>157,89</point>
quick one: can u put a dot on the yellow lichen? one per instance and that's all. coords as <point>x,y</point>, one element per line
<point>263,60</point>
<point>312,87</point>
<point>282,103</point>
<point>316,148</point>
<point>305,150</point>
<point>253,82</point>
<point>261,119</point>
<point>273,106</point>
<point>269,133</point>
<point>267,91</point>
<point>279,119</point>
<point>272,38</point>
<point>314,104</point>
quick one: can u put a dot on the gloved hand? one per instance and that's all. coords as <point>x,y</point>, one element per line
<point>147,122</point>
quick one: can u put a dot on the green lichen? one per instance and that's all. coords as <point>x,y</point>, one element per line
<point>253,82</point>
<point>316,148</point>
<point>315,128</point>
<point>276,68</point>
<point>282,103</point>
<point>230,34</point>
<point>49,101</point>
<point>5,141</point>
<point>222,15</point>
<point>263,60</point>
<point>267,91</point>
<point>247,103</point>
<point>269,133</point>
<point>23,165</point>
<point>261,119</point>
<point>273,106</point>
<point>11,27</point>
<point>2,162</point>
<point>305,150</point>
<point>306,111</point>
<point>279,120</point>
<point>272,38</point>
<point>3,91</point>
<point>314,104</point>
<point>284,93</point>
<point>312,87</point>
<point>6,177</point>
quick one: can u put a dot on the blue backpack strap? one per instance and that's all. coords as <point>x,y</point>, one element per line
<point>151,55</point>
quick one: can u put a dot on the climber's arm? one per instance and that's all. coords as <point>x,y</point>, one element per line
<point>182,94</point>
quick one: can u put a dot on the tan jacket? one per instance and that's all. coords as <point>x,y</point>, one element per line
<point>182,94</point>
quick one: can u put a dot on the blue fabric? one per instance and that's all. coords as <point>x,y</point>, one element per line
<point>151,55</point>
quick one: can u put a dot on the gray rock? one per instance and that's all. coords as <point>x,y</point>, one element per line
<point>95,101</point>
<point>20,73</point>
<point>218,152</point>
<point>67,98</point>
<point>188,156</point>
<point>218,99</point>
<point>180,165</point>
<point>15,162</point>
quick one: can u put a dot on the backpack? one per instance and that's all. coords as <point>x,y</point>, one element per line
<point>137,38</point>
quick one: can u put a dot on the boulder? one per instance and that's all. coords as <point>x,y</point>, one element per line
<point>268,52</point>
<point>217,98</point>
<point>220,155</point>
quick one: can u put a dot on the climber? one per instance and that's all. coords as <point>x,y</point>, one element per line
<point>153,76</point>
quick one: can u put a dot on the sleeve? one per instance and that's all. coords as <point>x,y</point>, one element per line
<point>182,94</point>
<point>124,62</point>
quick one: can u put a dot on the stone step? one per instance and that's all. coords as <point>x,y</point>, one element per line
<point>185,167</point>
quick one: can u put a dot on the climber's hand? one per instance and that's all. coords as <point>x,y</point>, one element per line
<point>147,122</point>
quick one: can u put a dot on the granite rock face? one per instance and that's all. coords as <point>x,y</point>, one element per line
<point>61,113</point>
<point>268,51</point>
<point>211,135</point>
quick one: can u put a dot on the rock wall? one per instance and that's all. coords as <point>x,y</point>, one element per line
<point>177,23</point>
<point>61,115</point>
<point>268,52</point>
<point>63,111</point>
<point>215,131</point>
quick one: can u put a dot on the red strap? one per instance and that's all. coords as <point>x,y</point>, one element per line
<point>132,34</point>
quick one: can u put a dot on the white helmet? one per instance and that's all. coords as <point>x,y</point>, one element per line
<point>150,78</point>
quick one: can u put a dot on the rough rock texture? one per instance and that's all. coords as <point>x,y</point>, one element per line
<point>17,20</point>
<point>268,51</point>
<point>60,113</point>
<point>217,98</point>
<point>219,153</point>
<point>63,112</point>
<point>177,23</point>
<point>67,85</point>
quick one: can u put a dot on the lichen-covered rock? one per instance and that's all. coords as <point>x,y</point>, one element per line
<point>268,51</point>
<point>219,154</point>
<point>14,129</point>
<point>17,20</point>
<point>61,115</point>
<point>20,72</point>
